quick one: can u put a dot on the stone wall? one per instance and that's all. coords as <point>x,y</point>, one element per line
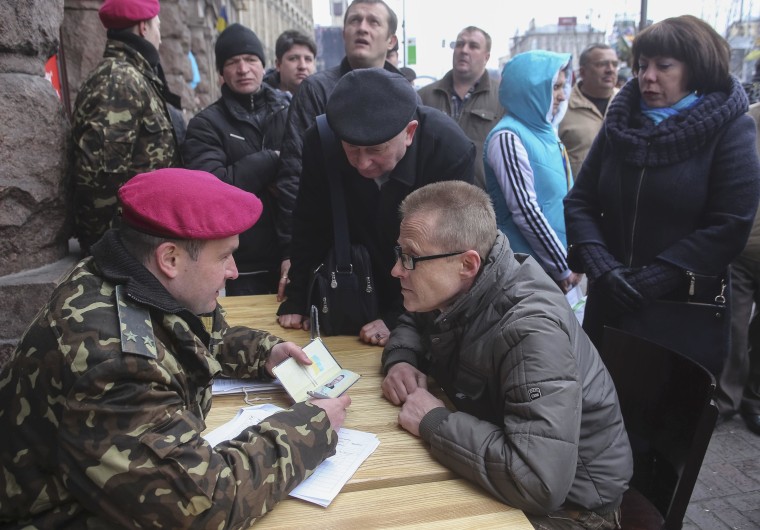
<point>34,228</point>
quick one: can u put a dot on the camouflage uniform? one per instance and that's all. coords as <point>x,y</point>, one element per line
<point>102,419</point>
<point>122,127</point>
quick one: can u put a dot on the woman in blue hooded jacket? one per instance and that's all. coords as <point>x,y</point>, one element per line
<point>527,169</point>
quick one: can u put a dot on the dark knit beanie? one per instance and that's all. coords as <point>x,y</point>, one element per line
<point>237,40</point>
<point>369,106</point>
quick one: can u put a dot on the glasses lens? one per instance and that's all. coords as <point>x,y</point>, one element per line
<point>406,260</point>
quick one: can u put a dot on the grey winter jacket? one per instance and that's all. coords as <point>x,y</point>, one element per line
<point>538,423</point>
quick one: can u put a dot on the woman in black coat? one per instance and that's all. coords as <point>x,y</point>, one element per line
<point>667,195</point>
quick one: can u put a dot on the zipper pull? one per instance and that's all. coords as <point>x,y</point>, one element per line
<point>692,282</point>
<point>325,309</point>
<point>721,298</point>
<point>369,285</point>
<point>333,280</point>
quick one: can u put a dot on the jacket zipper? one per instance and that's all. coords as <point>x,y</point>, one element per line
<point>635,216</point>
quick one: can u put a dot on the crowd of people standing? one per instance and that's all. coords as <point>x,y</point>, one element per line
<point>480,203</point>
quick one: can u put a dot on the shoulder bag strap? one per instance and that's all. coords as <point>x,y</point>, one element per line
<point>337,198</point>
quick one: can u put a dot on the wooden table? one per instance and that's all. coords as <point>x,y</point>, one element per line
<point>400,484</point>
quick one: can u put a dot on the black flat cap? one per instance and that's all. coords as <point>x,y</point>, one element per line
<point>370,106</point>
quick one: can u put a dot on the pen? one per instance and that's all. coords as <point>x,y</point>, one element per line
<point>315,394</point>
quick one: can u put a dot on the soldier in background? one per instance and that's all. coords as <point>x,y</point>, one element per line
<point>122,124</point>
<point>105,397</point>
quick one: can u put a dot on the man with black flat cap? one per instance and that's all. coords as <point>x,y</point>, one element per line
<point>390,146</point>
<point>369,32</point>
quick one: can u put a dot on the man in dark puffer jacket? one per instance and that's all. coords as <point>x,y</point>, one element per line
<point>237,138</point>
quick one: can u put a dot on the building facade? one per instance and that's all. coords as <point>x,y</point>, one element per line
<point>567,36</point>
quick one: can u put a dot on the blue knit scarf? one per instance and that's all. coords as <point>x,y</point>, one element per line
<point>660,114</point>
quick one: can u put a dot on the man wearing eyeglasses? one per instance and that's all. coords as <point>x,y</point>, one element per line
<point>535,418</point>
<point>588,102</point>
<point>389,146</point>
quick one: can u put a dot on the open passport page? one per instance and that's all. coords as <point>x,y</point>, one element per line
<point>323,378</point>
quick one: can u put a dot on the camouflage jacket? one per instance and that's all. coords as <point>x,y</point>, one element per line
<point>97,434</point>
<point>121,127</point>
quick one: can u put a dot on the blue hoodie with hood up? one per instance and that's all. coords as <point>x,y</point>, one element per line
<point>526,92</point>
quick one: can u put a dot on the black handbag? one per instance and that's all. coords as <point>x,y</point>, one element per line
<point>341,287</point>
<point>698,327</point>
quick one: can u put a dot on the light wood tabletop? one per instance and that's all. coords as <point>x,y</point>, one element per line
<point>400,484</point>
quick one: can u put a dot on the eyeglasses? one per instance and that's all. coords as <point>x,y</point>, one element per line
<point>605,64</point>
<point>408,262</point>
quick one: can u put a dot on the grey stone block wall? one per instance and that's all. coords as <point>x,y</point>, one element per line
<point>34,135</point>
<point>34,146</point>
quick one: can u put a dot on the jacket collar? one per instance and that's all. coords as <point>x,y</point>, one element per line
<point>121,50</point>
<point>578,99</point>
<point>446,84</point>
<point>495,271</point>
<point>119,267</point>
<point>345,67</point>
<point>137,44</point>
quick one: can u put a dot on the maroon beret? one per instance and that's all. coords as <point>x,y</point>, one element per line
<point>120,14</point>
<point>186,204</point>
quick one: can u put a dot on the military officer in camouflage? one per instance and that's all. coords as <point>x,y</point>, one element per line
<point>103,401</point>
<point>121,124</point>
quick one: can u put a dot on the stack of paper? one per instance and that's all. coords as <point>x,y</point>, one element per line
<point>324,485</point>
<point>354,447</point>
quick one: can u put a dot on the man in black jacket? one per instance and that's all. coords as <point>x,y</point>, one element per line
<point>389,146</point>
<point>369,31</point>
<point>238,138</point>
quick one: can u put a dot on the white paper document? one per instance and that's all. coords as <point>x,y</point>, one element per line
<point>353,448</point>
<point>245,417</point>
<point>577,301</point>
<point>223,386</point>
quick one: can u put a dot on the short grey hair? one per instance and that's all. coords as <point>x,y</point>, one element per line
<point>586,54</point>
<point>463,213</point>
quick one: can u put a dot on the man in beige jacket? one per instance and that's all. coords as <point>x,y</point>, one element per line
<point>588,102</point>
<point>467,93</point>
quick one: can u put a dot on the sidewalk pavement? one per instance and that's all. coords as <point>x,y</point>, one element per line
<point>727,493</point>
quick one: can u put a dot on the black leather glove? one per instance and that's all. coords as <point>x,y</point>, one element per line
<point>616,287</point>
